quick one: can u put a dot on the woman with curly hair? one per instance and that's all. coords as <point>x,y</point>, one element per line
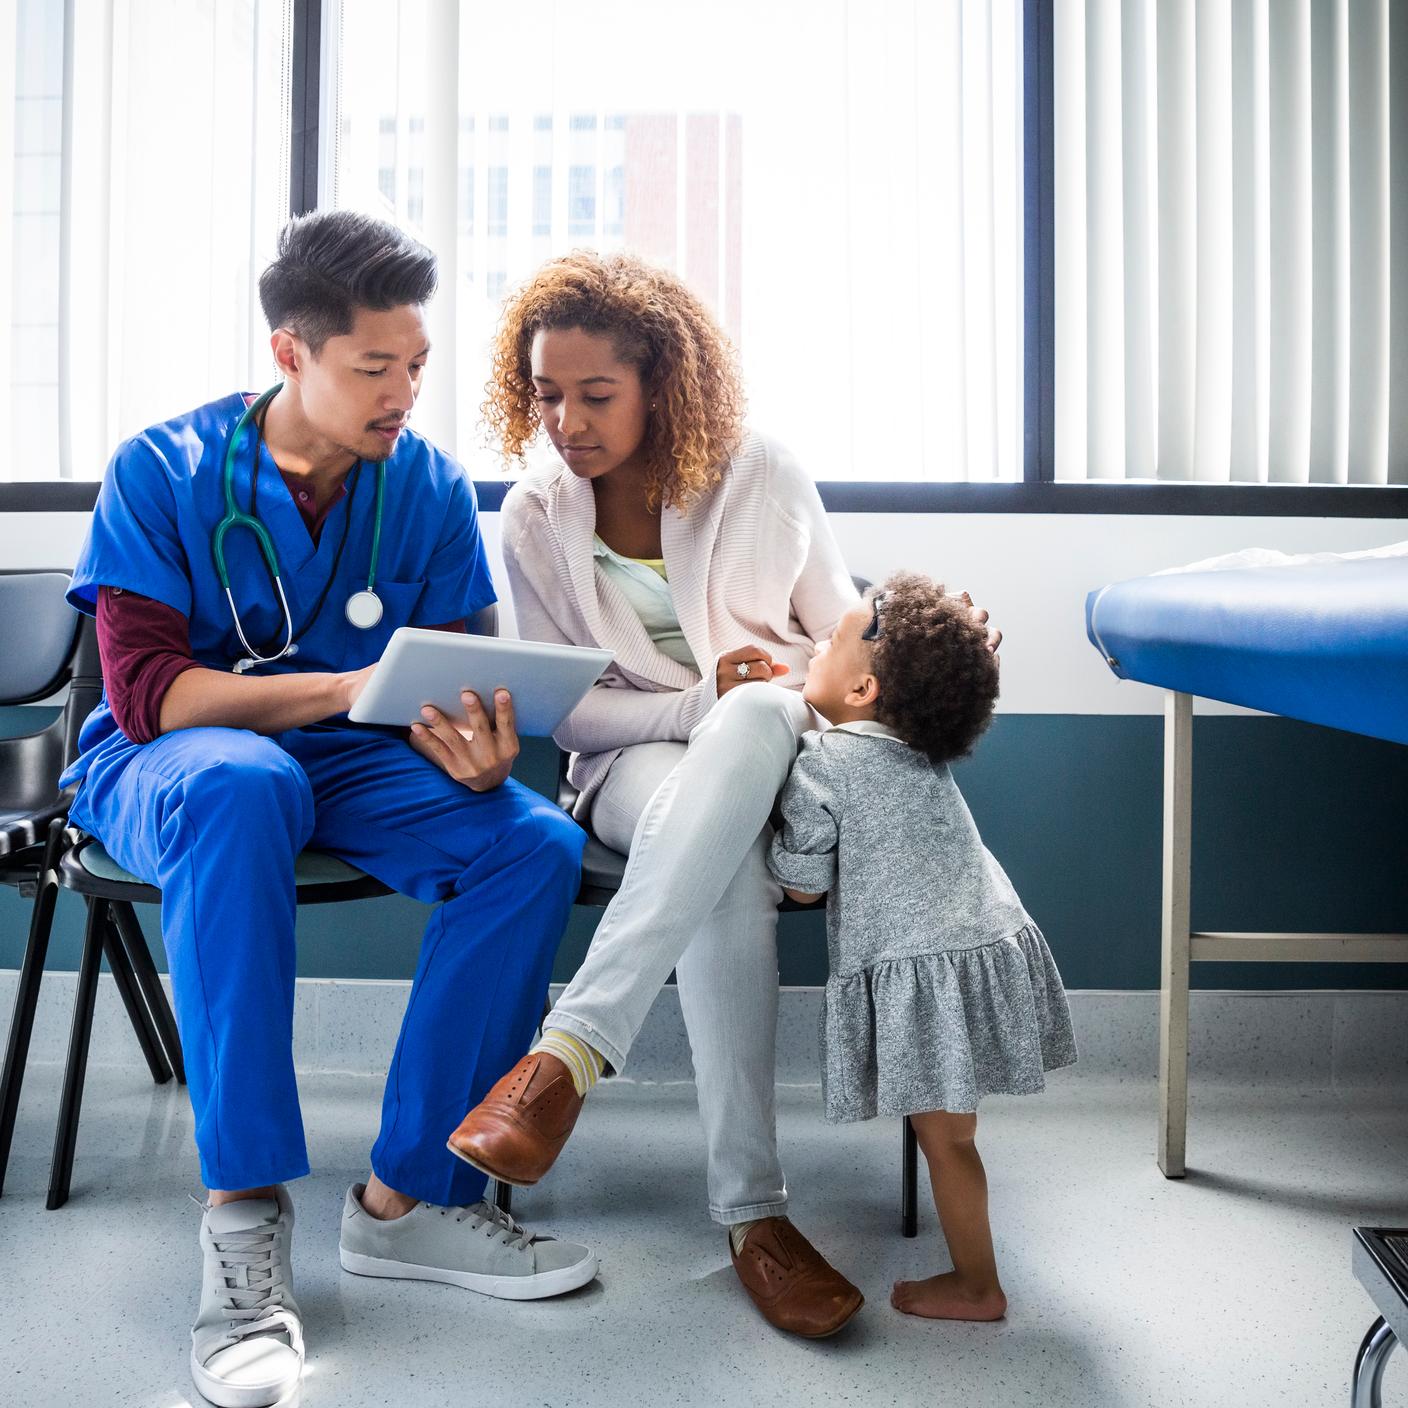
<point>699,552</point>
<point>942,989</point>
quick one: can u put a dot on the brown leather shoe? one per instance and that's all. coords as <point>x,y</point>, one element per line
<point>520,1126</point>
<point>791,1283</point>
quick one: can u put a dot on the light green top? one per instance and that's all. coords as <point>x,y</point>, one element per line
<point>644,584</point>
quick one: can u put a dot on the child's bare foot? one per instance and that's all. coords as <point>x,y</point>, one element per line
<point>945,1297</point>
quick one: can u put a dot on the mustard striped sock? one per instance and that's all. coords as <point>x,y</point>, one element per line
<point>585,1063</point>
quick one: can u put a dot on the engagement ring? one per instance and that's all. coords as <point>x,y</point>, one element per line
<point>744,669</point>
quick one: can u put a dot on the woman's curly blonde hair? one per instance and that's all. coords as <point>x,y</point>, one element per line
<point>687,366</point>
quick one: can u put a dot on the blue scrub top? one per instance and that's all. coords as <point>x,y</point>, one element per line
<point>155,520</point>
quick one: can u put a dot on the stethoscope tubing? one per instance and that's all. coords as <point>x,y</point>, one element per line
<point>235,517</point>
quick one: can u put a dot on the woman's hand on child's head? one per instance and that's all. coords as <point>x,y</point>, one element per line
<point>759,666</point>
<point>981,617</point>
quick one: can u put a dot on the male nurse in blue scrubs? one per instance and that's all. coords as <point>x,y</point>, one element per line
<point>208,781</point>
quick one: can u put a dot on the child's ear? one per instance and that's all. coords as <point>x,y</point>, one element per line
<point>865,693</point>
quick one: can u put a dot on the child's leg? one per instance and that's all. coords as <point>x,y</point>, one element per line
<point>971,1290</point>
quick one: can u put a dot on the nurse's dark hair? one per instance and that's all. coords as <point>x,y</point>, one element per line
<point>332,263</point>
<point>937,677</point>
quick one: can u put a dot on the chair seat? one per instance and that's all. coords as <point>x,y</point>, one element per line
<point>318,877</point>
<point>601,868</point>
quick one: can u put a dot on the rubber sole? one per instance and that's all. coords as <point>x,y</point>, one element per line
<point>826,1334</point>
<point>487,1172</point>
<point>227,1395</point>
<point>537,1287</point>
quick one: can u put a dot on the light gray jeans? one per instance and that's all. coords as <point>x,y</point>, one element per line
<point>697,897</point>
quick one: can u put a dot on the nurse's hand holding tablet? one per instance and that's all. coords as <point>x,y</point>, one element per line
<point>478,752</point>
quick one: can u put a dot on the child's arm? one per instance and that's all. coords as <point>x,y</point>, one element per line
<point>802,857</point>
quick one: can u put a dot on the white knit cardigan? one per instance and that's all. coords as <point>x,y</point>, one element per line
<point>750,562</point>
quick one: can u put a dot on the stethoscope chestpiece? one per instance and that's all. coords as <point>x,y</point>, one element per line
<point>364,609</point>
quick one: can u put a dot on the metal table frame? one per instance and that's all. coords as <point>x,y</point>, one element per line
<point>1181,946</point>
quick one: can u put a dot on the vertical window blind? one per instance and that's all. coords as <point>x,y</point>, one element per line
<point>1231,248</point>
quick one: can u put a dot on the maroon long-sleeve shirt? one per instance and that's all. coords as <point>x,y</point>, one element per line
<point>145,644</point>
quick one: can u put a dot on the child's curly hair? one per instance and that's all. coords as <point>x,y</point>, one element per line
<point>937,677</point>
<point>687,365</point>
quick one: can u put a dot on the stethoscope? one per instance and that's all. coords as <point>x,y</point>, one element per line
<point>363,608</point>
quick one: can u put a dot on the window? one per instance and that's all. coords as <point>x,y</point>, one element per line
<point>846,191</point>
<point>129,262</point>
<point>542,200</point>
<point>30,353</point>
<point>386,171</point>
<point>581,201</point>
<point>498,200</point>
<point>853,216</point>
<point>466,169</point>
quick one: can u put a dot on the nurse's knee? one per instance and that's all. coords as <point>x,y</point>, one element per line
<point>539,834</point>
<point>558,839</point>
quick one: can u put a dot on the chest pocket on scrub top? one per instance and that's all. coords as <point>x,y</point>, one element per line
<point>399,601</point>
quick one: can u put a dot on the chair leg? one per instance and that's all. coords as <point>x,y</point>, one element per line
<point>137,1014</point>
<point>149,980</point>
<point>41,923</point>
<point>66,1137</point>
<point>909,1181</point>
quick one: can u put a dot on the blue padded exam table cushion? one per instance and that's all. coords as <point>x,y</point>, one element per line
<point>1326,642</point>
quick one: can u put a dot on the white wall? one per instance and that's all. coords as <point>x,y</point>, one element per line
<point>1031,571</point>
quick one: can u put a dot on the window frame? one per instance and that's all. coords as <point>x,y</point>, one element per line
<point>1037,492</point>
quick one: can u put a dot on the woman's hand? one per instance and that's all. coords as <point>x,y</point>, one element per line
<point>761,666</point>
<point>981,616</point>
<point>477,752</point>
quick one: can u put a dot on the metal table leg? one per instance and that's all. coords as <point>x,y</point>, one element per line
<point>1177,940</point>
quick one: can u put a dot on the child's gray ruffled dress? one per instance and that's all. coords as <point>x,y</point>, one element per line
<point>942,989</point>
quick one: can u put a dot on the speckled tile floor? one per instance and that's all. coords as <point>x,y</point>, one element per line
<point>1232,1288</point>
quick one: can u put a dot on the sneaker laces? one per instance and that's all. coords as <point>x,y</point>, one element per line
<point>496,1223</point>
<point>254,1287</point>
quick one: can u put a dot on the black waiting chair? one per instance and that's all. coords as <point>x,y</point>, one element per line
<point>602,872</point>
<point>49,646</point>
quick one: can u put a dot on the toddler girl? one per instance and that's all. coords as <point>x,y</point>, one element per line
<point>941,988</point>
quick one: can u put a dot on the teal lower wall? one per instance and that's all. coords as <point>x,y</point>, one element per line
<point>1295,828</point>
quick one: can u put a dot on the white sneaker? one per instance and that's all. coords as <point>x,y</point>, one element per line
<point>477,1247</point>
<point>247,1342</point>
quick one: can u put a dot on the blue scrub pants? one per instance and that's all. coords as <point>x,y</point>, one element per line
<point>215,817</point>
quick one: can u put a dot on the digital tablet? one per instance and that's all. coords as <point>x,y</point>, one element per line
<point>422,667</point>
